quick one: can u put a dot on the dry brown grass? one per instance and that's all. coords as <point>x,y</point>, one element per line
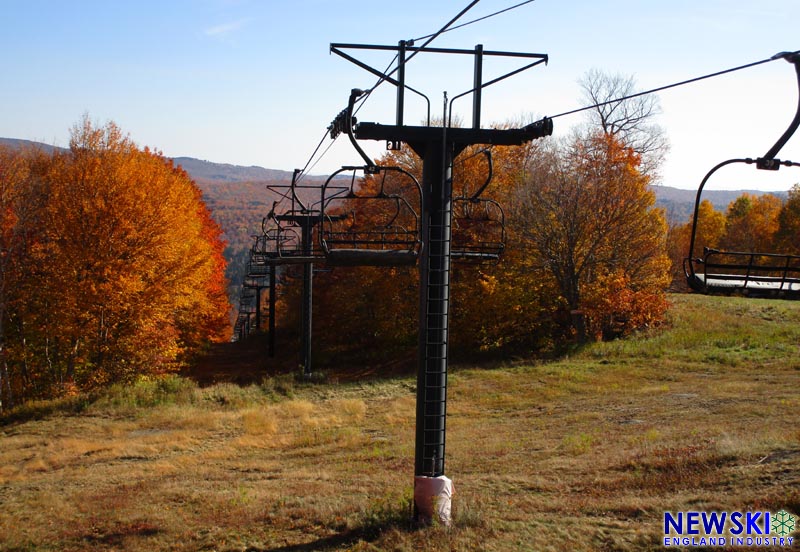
<point>581,454</point>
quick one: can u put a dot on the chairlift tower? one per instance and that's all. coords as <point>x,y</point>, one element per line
<point>437,147</point>
<point>260,268</point>
<point>291,239</point>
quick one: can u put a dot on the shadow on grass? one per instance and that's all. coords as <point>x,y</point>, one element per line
<point>387,515</point>
<point>39,410</point>
<point>118,538</point>
<point>326,543</point>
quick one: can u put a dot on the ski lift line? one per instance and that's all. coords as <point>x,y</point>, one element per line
<point>381,76</point>
<point>344,121</point>
<point>303,170</point>
<point>781,55</point>
<point>429,38</point>
<point>432,36</point>
<point>289,193</point>
<point>462,25</point>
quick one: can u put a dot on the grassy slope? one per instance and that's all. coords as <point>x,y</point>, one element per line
<point>581,454</point>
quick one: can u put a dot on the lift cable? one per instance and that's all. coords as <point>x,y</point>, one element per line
<point>311,168</point>
<point>446,29</point>
<point>306,167</point>
<point>434,36</point>
<point>430,38</point>
<point>780,55</point>
<point>478,19</point>
<point>364,98</point>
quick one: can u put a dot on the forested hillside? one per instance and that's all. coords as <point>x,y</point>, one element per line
<point>239,206</point>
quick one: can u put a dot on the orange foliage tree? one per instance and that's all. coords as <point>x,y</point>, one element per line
<point>504,306</point>
<point>123,267</point>
<point>590,222</point>
<point>19,205</point>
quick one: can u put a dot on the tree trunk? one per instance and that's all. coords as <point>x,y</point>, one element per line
<point>5,398</point>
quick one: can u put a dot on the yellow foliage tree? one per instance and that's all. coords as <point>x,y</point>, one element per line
<point>751,223</point>
<point>590,221</point>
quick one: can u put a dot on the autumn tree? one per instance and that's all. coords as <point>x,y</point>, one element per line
<point>502,307</point>
<point>10,167</point>
<point>581,234</point>
<point>590,220</point>
<point>751,222</point>
<point>17,207</point>
<point>710,229</point>
<point>123,266</point>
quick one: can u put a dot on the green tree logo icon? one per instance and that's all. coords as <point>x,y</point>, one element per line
<point>783,523</point>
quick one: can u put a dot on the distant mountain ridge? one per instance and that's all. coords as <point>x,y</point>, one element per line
<point>16,143</point>
<point>225,172</point>
<point>210,176</point>
<point>197,168</point>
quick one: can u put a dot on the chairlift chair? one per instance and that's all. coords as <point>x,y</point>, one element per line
<point>242,327</point>
<point>253,282</point>
<point>247,294</point>
<point>360,228</point>
<point>291,226</point>
<point>479,229</point>
<point>258,266</point>
<point>479,233</point>
<point>285,238</point>
<point>747,273</point>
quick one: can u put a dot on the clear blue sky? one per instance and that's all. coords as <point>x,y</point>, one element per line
<point>252,83</point>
